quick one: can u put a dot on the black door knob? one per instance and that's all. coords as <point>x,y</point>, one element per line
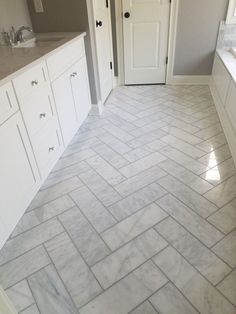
<point>127,15</point>
<point>98,23</point>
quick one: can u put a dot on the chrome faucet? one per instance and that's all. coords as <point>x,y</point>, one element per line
<point>19,33</point>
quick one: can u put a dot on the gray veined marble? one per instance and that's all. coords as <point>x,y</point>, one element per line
<point>228,287</point>
<point>121,262</point>
<point>202,295</point>
<point>132,226</point>
<point>86,239</point>
<point>132,290</point>
<point>75,274</point>
<point>49,292</point>
<point>136,201</point>
<point>33,309</point>
<point>20,295</point>
<point>198,226</point>
<point>145,308</point>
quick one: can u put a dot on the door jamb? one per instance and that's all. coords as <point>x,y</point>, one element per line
<point>174,9</point>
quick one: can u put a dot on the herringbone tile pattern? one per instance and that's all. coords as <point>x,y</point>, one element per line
<point>138,216</point>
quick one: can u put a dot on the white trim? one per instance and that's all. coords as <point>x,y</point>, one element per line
<point>171,42</point>
<point>174,11</point>
<point>231,18</point>
<point>189,80</point>
<point>97,109</point>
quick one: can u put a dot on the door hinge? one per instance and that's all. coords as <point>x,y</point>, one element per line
<point>167,60</point>
<point>107,3</point>
<point>111,65</point>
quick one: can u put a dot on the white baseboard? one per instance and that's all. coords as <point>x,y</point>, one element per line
<point>189,80</point>
<point>116,81</point>
<point>97,109</point>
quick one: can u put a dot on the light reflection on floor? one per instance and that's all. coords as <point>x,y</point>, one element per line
<point>213,174</point>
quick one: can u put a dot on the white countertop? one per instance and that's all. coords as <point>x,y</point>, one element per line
<point>15,60</point>
<point>229,61</point>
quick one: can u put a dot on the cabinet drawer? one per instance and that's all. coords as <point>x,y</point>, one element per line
<point>60,61</point>
<point>8,102</point>
<point>38,110</point>
<point>231,105</point>
<point>47,147</point>
<point>221,78</point>
<point>30,81</point>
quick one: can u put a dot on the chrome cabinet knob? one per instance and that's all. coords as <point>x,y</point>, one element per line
<point>42,115</point>
<point>51,149</point>
<point>35,82</point>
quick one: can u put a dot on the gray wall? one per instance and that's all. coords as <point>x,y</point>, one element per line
<point>198,25</point>
<point>66,16</point>
<point>13,13</point>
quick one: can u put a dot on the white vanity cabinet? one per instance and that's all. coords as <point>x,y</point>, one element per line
<point>8,102</point>
<point>19,178</point>
<point>70,88</point>
<point>231,105</point>
<point>37,105</point>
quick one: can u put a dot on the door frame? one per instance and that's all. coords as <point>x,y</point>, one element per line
<point>174,9</point>
<point>92,34</point>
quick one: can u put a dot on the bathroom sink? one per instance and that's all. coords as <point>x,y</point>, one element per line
<point>38,42</point>
<point>233,51</point>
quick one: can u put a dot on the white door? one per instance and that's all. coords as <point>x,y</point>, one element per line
<point>102,24</point>
<point>146,31</point>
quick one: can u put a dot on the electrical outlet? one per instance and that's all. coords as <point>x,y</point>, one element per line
<point>38,5</point>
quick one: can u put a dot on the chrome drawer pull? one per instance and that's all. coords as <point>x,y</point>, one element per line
<point>51,149</point>
<point>42,115</point>
<point>35,82</point>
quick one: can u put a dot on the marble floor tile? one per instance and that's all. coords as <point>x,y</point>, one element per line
<point>23,266</point>
<point>179,115</point>
<point>202,258</point>
<point>33,309</point>
<point>196,225</point>
<point>153,126</point>
<point>122,113</point>
<point>182,135</point>
<point>88,242</point>
<point>223,193</point>
<point>109,173</point>
<point>206,122</point>
<point>45,196</point>
<point>103,191</point>
<point>147,138</point>
<point>121,123</point>
<point>136,201</point>
<point>168,300</point>
<point>92,208</point>
<point>181,125</point>
<point>75,274</point>
<point>132,290</point>
<point>220,173</point>
<point>209,132</point>
<point>226,249</point>
<point>199,292</point>
<point>127,258</point>
<point>65,174</point>
<point>216,156</point>
<point>142,164</point>
<point>228,287</point>
<point>49,292</point>
<point>73,159</point>
<point>184,147</point>
<point>115,159</point>
<point>41,214</point>
<point>20,295</point>
<point>139,181</point>
<point>213,143</point>
<point>29,240</point>
<point>184,160</point>
<point>118,132</point>
<point>190,198</point>
<point>185,176</point>
<point>137,154</point>
<point>78,147</point>
<point>225,218</point>
<point>156,145</point>
<point>145,308</point>
<point>117,145</point>
<point>132,226</point>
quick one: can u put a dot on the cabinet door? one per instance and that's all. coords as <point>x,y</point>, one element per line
<point>19,178</point>
<point>221,78</point>
<point>80,88</point>
<point>231,105</point>
<point>62,90</point>
<point>8,102</point>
